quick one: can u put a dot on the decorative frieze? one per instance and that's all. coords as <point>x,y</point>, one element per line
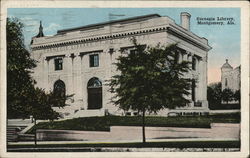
<point>101,38</point>
<point>54,56</point>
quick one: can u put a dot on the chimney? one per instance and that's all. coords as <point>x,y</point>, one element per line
<point>185,20</point>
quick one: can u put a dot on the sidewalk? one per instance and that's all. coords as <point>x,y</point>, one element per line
<point>134,133</point>
<point>125,141</point>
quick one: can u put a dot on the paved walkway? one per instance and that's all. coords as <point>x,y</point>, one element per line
<point>132,133</point>
<point>125,141</point>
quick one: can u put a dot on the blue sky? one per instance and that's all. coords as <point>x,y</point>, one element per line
<point>224,39</point>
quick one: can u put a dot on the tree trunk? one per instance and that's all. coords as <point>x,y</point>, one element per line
<point>143,127</point>
<point>35,133</point>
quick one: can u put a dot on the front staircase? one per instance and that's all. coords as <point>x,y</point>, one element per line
<point>12,132</point>
<point>15,127</point>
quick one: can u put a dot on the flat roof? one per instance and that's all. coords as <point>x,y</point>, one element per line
<point>91,26</point>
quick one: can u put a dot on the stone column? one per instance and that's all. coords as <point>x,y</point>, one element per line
<point>203,74</point>
<point>68,71</point>
<point>190,59</point>
<point>180,57</point>
<point>205,78</point>
<point>77,79</point>
<point>197,79</point>
<point>46,74</point>
<point>185,57</point>
<point>198,72</point>
<point>198,65</point>
<point>113,56</point>
<point>190,75</point>
<point>84,82</point>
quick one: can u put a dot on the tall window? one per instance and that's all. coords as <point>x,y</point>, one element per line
<point>193,90</point>
<point>193,63</point>
<point>226,82</point>
<point>94,93</point>
<point>133,51</point>
<point>58,64</point>
<point>94,60</point>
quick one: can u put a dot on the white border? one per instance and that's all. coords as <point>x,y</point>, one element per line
<point>134,4</point>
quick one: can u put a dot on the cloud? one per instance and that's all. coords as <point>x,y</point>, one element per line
<point>26,19</point>
<point>30,24</point>
<point>53,27</point>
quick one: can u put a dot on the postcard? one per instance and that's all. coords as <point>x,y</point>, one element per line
<point>124,79</point>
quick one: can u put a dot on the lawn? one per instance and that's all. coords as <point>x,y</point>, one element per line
<point>103,123</point>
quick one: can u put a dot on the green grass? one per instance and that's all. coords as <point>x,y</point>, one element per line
<point>181,144</point>
<point>103,123</point>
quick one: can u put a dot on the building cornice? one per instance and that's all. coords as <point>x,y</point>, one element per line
<point>88,52</point>
<point>54,56</point>
<point>170,29</point>
<point>188,38</point>
<point>100,38</point>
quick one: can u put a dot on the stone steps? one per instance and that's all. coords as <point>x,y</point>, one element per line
<point>88,113</point>
<point>12,132</point>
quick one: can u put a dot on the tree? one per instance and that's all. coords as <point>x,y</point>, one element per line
<point>19,66</point>
<point>227,95</point>
<point>237,96</point>
<point>23,99</point>
<point>150,79</point>
<point>40,103</point>
<point>214,94</point>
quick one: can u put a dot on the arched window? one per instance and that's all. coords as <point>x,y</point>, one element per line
<point>94,93</point>
<point>59,88</point>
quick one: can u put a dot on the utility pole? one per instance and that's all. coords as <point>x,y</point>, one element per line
<point>35,133</point>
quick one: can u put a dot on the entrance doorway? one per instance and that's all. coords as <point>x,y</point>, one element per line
<point>94,93</point>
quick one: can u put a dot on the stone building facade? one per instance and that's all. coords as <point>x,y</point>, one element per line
<point>80,60</point>
<point>230,77</point>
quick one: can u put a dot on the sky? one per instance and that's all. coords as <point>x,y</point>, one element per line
<point>224,39</point>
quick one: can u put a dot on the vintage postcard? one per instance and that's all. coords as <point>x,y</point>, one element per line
<point>124,79</point>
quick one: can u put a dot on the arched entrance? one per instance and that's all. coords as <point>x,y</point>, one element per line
<point>94,93</point>
<point>59,88</point>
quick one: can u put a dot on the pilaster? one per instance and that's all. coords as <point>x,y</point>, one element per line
<point>77,80</point>
<point>204,78</point>
<point>46,74</point>
<point>68,70</point>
